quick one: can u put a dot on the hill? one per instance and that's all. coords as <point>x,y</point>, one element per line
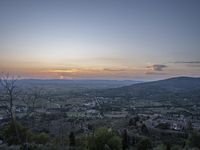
<point>179,87</point>
<point>75,84</point>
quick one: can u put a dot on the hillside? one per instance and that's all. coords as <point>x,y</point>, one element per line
<point>179,87</point>
<point>75,84</point>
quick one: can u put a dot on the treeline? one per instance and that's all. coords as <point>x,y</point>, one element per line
<point>99,139</point>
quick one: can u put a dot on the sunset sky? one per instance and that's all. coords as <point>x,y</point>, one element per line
<point>100,39</point>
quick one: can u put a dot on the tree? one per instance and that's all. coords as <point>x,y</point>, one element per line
<point>10,137</point>
<point>32,98</point>
<point>189,126</point>
<point>72,141</point>
<point>9,94</point>
<point>160,147</point>
<point>104,139</point>
<point>41,138</point>
<point>125,140</point>
<point>131,122</point>
<point>144,144</point>
<point>193,140</point>
<point>144,129</point>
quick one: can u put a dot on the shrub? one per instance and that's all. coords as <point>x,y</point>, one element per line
<point>41,138</point>
<point>193,140</point>
<point>144,144</point>
<point>10,136</point>
<point>102,139</point>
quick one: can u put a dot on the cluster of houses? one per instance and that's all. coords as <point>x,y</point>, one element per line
<point>177,123</point>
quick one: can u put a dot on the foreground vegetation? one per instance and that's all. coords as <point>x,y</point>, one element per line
<point>100,139</point>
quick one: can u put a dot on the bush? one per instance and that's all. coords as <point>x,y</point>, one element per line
<point>104,139</point>
<point>10,136</point>
<point>176,147</point>
<point>144,144</point>
<point>41,138</point>
<point>193,140</point>
<point>30,147</point>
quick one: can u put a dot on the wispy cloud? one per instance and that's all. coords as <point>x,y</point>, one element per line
<point>64,70</point>
<point>155,73</point>
<point>112,70</point>
<point>156,67</point>
<point>187,62</point>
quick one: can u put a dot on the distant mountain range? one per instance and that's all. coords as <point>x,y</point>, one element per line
<point>179,87</point>
<point>88,84</point>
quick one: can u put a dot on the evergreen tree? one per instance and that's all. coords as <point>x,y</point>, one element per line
<point>125,140</point>
<point>72,141</point>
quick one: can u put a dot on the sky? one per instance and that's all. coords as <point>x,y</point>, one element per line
<point>100,39</point>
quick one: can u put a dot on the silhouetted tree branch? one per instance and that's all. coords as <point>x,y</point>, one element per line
<point>8,96</point>
<point>32,98</point>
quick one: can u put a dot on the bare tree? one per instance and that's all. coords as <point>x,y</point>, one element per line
<point>9,94</point>
<point>32,98</point>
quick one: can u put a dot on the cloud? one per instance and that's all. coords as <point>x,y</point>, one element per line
<point>155,73</point>
<point>112,70</point>
<point>73,70</point>
<point>156,67</point>
<point>187,62</point>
